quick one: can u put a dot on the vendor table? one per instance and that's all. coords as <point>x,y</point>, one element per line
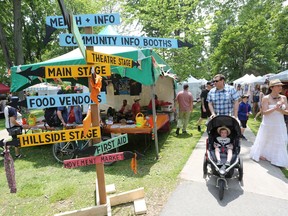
<point>162,119</point>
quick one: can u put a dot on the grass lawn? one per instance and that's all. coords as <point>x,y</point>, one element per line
<point>44,187</point>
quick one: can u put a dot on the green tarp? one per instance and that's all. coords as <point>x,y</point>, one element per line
<point>145,75</point>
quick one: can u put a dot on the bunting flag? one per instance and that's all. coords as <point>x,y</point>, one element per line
<point>96,84</point>
<point>87,122</point>
<point>133,163</point>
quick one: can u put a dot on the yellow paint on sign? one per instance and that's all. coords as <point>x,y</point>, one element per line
<point>76,71</point>
<point>96,57</point>
<point>27,140</point>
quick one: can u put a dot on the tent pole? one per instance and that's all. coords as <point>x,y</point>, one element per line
<point>154,120</point>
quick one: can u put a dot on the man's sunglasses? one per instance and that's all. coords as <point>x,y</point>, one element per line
<point>215,81</point>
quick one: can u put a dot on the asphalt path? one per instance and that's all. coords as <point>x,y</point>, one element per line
<point>263,191</point>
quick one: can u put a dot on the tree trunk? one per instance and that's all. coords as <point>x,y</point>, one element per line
<point>4,47</point>
<point>18,46</point>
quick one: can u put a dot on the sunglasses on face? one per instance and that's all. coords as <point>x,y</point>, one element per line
<point>215,81</point>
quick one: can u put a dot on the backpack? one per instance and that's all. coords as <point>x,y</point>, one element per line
<point>51,117</point>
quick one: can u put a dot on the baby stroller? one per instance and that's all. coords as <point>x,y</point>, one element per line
<point>223,172</point>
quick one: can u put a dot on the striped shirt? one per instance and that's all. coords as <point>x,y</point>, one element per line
<point>223,100</point>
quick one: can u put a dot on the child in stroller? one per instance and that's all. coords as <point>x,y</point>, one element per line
<point>223,144</point>
<point>223,161</point>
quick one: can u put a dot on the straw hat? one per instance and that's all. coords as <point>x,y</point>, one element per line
<point>275,82</point>
<point>224,128</point>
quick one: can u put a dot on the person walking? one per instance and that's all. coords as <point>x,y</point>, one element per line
<point>205,112</point>
<point>184,99</point>
<point>13,121</point>
<point>243,114</point>
<point>271,140</point>
<point>222,99</point>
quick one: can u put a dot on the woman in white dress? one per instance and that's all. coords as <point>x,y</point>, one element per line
<point>271,140</point>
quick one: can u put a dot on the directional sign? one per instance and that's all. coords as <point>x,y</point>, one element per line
<point>107,158</point>
<point>110,144</point>
<point>76,71</point>
<point>96,57</point>
<point>85,20</point>
<point>41,102</point>
<point>27,140</point>
<point>118,40</point>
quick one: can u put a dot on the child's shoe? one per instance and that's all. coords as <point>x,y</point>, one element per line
<point>219,163</point>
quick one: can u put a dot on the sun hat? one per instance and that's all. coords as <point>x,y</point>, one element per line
<point>275,82</point>
<point>224,128</point>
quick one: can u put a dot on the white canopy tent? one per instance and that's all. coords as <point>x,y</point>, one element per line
<point>283,76</point>
<point>43,89</point>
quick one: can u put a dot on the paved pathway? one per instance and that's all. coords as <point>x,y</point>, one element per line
<point>264,190</point>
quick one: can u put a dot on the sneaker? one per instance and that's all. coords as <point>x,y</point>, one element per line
<point>177,131</point>
<point>184,132</point>
<point>219,163</point>
<point>199,128</point>
<point>227,163</point>
<point>19,156</point>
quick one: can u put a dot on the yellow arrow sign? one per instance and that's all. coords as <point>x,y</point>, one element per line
<point>27,140</point>
<point>76,71</point>
<point>96,57</point>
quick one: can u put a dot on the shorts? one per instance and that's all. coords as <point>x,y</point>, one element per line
<point>205,114</point>
<point>243,123</point>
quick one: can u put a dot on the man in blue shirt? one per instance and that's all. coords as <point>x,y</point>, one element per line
<point>223,99</point>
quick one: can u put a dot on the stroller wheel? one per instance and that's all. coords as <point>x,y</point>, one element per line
<point>221,185</point>
<point>240,169</point>
<point>205,170</point>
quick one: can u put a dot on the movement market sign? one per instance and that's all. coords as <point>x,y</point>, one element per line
<point>107,158</point>
<point>96,57</point>
<point>76,71</point>
<point>85,20</point>
<point>27,140</point>
<point>118,40</point>
<point>41,102</point>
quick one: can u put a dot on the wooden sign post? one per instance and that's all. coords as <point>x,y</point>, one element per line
<point>95,122</point>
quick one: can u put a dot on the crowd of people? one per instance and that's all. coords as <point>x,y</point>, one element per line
<point>271,104</point>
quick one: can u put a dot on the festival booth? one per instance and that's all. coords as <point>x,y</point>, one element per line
<point>152,74</point>
<point>3,91</point>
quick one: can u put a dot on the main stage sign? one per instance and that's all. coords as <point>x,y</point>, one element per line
<point>76,71</point>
